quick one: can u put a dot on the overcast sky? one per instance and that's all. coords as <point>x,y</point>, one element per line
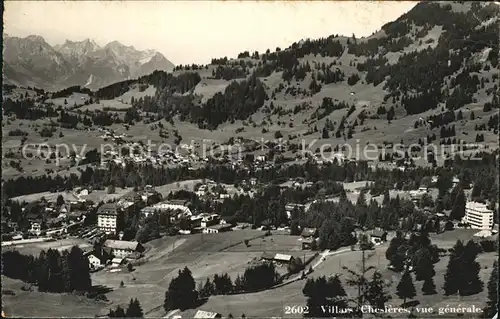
<point>196,31</point>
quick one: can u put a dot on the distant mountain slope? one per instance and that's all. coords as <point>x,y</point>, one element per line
<point>432,74</point>
<point>31,61</point>
<point>438,56</point>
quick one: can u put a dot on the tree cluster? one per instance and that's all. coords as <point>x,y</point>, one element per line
<point>52,271</point>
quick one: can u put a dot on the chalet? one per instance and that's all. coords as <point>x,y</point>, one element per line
<point>126,204</point>
<point>131,196</point>
<point>309,233</point>
<point>75,216</point>
<point>94,262</point>
<point>416,195</point>
<point>116,262</point>
<point>11,226</point>
<point>309,243</point>
<point>201,314</point>
<point>196,220</point>
<point>283,258</point>
<point>217,229</point>
<point>260,158</point>
<point>289,208</point>
<point>210,220</point>
<point>122,248</point>
<point>36,228</point>
<point>378,236</point>
<point>268,256</point>
<point>278,258</point>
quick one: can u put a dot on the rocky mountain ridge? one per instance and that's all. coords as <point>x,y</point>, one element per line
<point>31,61</point>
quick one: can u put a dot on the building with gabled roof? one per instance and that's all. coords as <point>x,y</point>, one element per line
<point>309,232</point>
<point>201,314</point>
<point>123,248</point>
<point>283,258</point>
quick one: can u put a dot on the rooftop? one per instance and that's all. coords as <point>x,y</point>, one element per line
<point>477,206</point>
<point>378,233</point>
<point>220,226</point>
<point>121,244</point>
<point>267,255</point>
<point>283,257</point>
<point>201,314</point>
<point>306,232</point>
<point>108,208</point>
<point>176,202</point>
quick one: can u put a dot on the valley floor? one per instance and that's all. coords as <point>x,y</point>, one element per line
<point>210,254</point>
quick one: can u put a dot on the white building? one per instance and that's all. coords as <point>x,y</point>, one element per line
<point>215,229</point>
<point>107,216</point>
<point>478,215</point>
<point>36,228</point>
<point>166,207</point>
<point>201,314</point>
<point>94,262</point>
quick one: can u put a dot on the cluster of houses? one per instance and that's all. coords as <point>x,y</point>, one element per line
<point>184,154</point>
<point>49,216</point>
<point>108,216</point>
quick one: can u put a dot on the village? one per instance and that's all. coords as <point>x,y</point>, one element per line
<point>70,217</point>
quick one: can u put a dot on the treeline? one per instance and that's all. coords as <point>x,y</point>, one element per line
<point>417,251</point>
<point>255,278</point>
<point>238,102</point>
<point>51,270</point>
<point>327,107</point>
<point>324,295</point>
<point>229,72</point>
<point>182,293</point>
<point>134,310</point>
<point>70,90</point>
<point>26,109</point>
<point>424,71</point>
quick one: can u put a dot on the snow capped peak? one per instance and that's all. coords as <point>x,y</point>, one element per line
<point>77,49</point>
<point>89,81</point>
<point>147,56</point>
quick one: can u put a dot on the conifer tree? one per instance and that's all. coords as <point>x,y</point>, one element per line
<point>134,309</point>
<point>492,304</point>
<point>375,293</point>
<point>458,208</point>
<point>423,265</point>
<point>453,272</point>
<point>181,293</point>
<point>470,283</point>
<point>405,288</point>
<point>208,289</point>
<point>429,288</point>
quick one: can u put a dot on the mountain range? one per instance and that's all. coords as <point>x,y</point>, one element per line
<point>31,61</point>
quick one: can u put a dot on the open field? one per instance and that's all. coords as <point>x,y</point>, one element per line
<point>189,185</point>
<point>208,254</point>
<point>36,304</point>
<point>35,248</point>
<point>272,302</point>
<point>95,196</point>
<point>204,254</point>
